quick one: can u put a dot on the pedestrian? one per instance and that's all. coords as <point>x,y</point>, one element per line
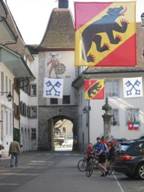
<point>111,155</point>
<point>14,151</point>
<point>1,148</point>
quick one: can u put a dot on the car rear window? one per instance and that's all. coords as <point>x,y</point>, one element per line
<point>124,147</point>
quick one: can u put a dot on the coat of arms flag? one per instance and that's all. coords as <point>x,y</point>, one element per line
<point>105,34</point>
<point>53,88</point>
<point>94,89</point>
<point>132,87</point>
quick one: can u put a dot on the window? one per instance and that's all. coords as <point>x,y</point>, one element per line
<point>11,123</point>
<point>133,120</point>
<point>132,115</point>
<point>33,133</point>
<point>66,99</point>
<point>33,112</point>
<point>112,88</point>
<point>115,117</point>
<point>53,101</point>
<point>23,109</point>
<point>16,111</point>
<point>6,84</point>
<point>2,82</point>
<point>28,111</point>
<point>33,90</point>
<point>10,86</point>
<point>7,123</point>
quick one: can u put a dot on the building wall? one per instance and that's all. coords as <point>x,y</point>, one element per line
<point>122,104</point>
<point>65,57</point>
<point>6,108</point>
<point>28,123</point>
<point>33,101</point>
<point>24,124</point>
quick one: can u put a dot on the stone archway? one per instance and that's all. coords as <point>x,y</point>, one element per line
<point>61,134</point>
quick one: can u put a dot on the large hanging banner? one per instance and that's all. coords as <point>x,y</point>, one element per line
<point>105,34</point>
<point>132,87</point>
<point>94,89</point>
<point>53,88</point>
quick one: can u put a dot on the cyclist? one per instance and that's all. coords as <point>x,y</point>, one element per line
<point>100,151</point>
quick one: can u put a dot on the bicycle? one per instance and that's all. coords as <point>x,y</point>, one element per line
<point>91,165</point>
<point>82,164</point>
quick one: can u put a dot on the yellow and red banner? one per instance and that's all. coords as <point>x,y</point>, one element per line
<point>105,34</point>
<point>94,89</point>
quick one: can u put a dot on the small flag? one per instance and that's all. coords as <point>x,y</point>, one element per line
<point>132,87</point>
<point>133,125</point>
<point>53,88</point>
<point>94,89</point>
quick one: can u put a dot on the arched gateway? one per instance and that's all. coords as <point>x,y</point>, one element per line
<point>58,132</point>
<point>61,134</point>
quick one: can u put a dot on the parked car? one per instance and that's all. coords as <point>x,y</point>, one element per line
<point>142,137</point>
<point>130,159</point>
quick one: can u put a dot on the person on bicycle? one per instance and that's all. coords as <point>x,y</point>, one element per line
<point>89,152</point>
<point>100,151</point>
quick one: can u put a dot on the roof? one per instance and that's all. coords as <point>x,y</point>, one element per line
<point>59,33</point>
<point>18,45</point>
<point>14,52</point>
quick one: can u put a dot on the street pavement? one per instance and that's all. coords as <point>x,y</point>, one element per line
<point>57,172</point>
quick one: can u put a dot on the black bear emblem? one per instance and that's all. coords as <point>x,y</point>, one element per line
<point>106,24</point>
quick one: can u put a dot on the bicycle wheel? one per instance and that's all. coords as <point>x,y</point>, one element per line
<point>89,169</point>
<point>81,165</point>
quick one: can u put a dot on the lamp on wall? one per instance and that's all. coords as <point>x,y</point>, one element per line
<point>142,19</point>
<point>9,96</point>
<point>86,109</point>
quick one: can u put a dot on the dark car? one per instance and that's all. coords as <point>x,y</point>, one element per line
<point>130,159</point>
<point>142,137</point>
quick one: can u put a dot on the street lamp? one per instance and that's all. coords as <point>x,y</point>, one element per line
<point>9,96</point>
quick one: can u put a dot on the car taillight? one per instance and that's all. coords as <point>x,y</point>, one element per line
<point>126,157</point>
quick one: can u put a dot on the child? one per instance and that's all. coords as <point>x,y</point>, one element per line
<point>89,152</point>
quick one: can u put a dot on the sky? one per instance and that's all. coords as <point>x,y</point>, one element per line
<point>32,16</point>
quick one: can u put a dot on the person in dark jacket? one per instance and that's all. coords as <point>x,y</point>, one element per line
<point>111,155</point>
